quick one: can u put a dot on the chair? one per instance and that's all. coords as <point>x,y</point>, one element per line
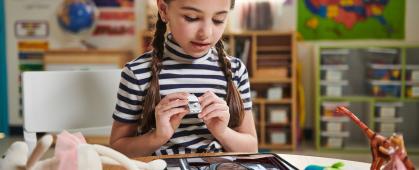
<point>76,101</point>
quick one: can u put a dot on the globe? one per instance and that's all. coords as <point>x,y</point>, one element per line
<point>76,16</point>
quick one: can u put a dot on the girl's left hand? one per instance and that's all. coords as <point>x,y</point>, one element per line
<point>215,113</point>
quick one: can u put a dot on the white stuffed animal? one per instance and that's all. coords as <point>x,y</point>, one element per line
<point>89,157</point>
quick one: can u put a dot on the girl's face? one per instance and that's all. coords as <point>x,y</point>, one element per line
<point>196,25</point>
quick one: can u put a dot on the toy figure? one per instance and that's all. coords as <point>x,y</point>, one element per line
<point>193,104</point>
<point>70,153</point>
<point>335,166</point>
<point>384,150</point>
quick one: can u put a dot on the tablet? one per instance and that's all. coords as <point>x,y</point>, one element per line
<point>257,161</point>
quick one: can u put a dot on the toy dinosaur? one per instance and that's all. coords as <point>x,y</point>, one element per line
<point>384,150</point>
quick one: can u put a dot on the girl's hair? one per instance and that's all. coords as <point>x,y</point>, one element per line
<point>152,98</point>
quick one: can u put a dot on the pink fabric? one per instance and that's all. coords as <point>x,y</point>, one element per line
<point>66,149</point>
<point>395,163</point>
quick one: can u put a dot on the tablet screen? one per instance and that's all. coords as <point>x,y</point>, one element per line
<point>263,161</point>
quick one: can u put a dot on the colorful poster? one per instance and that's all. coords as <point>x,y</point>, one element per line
<point>351,19</point>
<point>115,25</point>
<point>114,3</point>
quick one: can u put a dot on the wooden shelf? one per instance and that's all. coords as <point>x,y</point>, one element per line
<point>276,146</point>
<point>273,80</point>
<point>266,101</point>
<point>274,48</point>
<point>71,58</point>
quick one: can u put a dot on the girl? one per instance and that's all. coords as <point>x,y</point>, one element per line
<point>150,115</point>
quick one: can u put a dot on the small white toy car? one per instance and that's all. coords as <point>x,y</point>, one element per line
<point>194,106</point>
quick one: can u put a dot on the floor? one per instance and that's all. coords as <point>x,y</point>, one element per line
<point>304,149</point>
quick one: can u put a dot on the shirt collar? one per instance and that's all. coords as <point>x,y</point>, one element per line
<point>174,51</point>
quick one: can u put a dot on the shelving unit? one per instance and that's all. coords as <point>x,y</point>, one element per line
<point>378,84</point>
<point>85,59</point>
<point>270,58</point>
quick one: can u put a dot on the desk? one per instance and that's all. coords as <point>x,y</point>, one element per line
<point>301,161</point>
<point>298,161</point>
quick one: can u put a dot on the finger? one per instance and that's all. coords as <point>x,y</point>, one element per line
<point>211,108</point>
<point>170,112</point>
<point>222,115</point>
<point>175,111</point>
<point>174,96</point>
<point>209,99</point>
<point>173,104</point>
<point>179,115</point>
<point>206,95</point>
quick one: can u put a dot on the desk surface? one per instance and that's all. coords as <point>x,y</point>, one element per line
<point>299,161</point>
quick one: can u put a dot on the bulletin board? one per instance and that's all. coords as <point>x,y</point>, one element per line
<point>351,19</point>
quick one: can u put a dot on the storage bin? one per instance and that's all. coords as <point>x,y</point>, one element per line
<point>384,72</point>
<point>384,88</point>
<point>277,136</point>
<point>328,108</point>
<point>412,73</point>
<point>388,125</point>
<point>334,126</point>
<point>334,56</point>
<point>383,55</point>
<point>278,114</point>
<point>333,72</point>
<point>334,142</point>
<point>387,109</point>
<point>335,88</point>
<point>412,89</point>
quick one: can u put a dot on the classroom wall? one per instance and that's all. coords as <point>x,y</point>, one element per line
<point>3,74</point>
<point>285,21</point>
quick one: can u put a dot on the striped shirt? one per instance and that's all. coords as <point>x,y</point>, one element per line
<point>180,73</point>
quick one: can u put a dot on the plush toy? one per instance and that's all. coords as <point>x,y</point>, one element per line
<point>71,152</point>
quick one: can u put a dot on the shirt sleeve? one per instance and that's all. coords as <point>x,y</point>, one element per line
<point>241,78</point>
<point>130,96</point>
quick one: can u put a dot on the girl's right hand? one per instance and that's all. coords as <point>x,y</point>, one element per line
<point>169,113</point>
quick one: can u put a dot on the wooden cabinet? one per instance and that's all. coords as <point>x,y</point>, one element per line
<point>270,58</point>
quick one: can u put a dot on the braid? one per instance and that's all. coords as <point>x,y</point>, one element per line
<point>152,98</point>
<point>233,98</point>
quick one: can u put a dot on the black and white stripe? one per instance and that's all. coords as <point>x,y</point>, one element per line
<point>180,73</point>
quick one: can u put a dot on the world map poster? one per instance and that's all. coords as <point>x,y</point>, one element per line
<point>351,19</point>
